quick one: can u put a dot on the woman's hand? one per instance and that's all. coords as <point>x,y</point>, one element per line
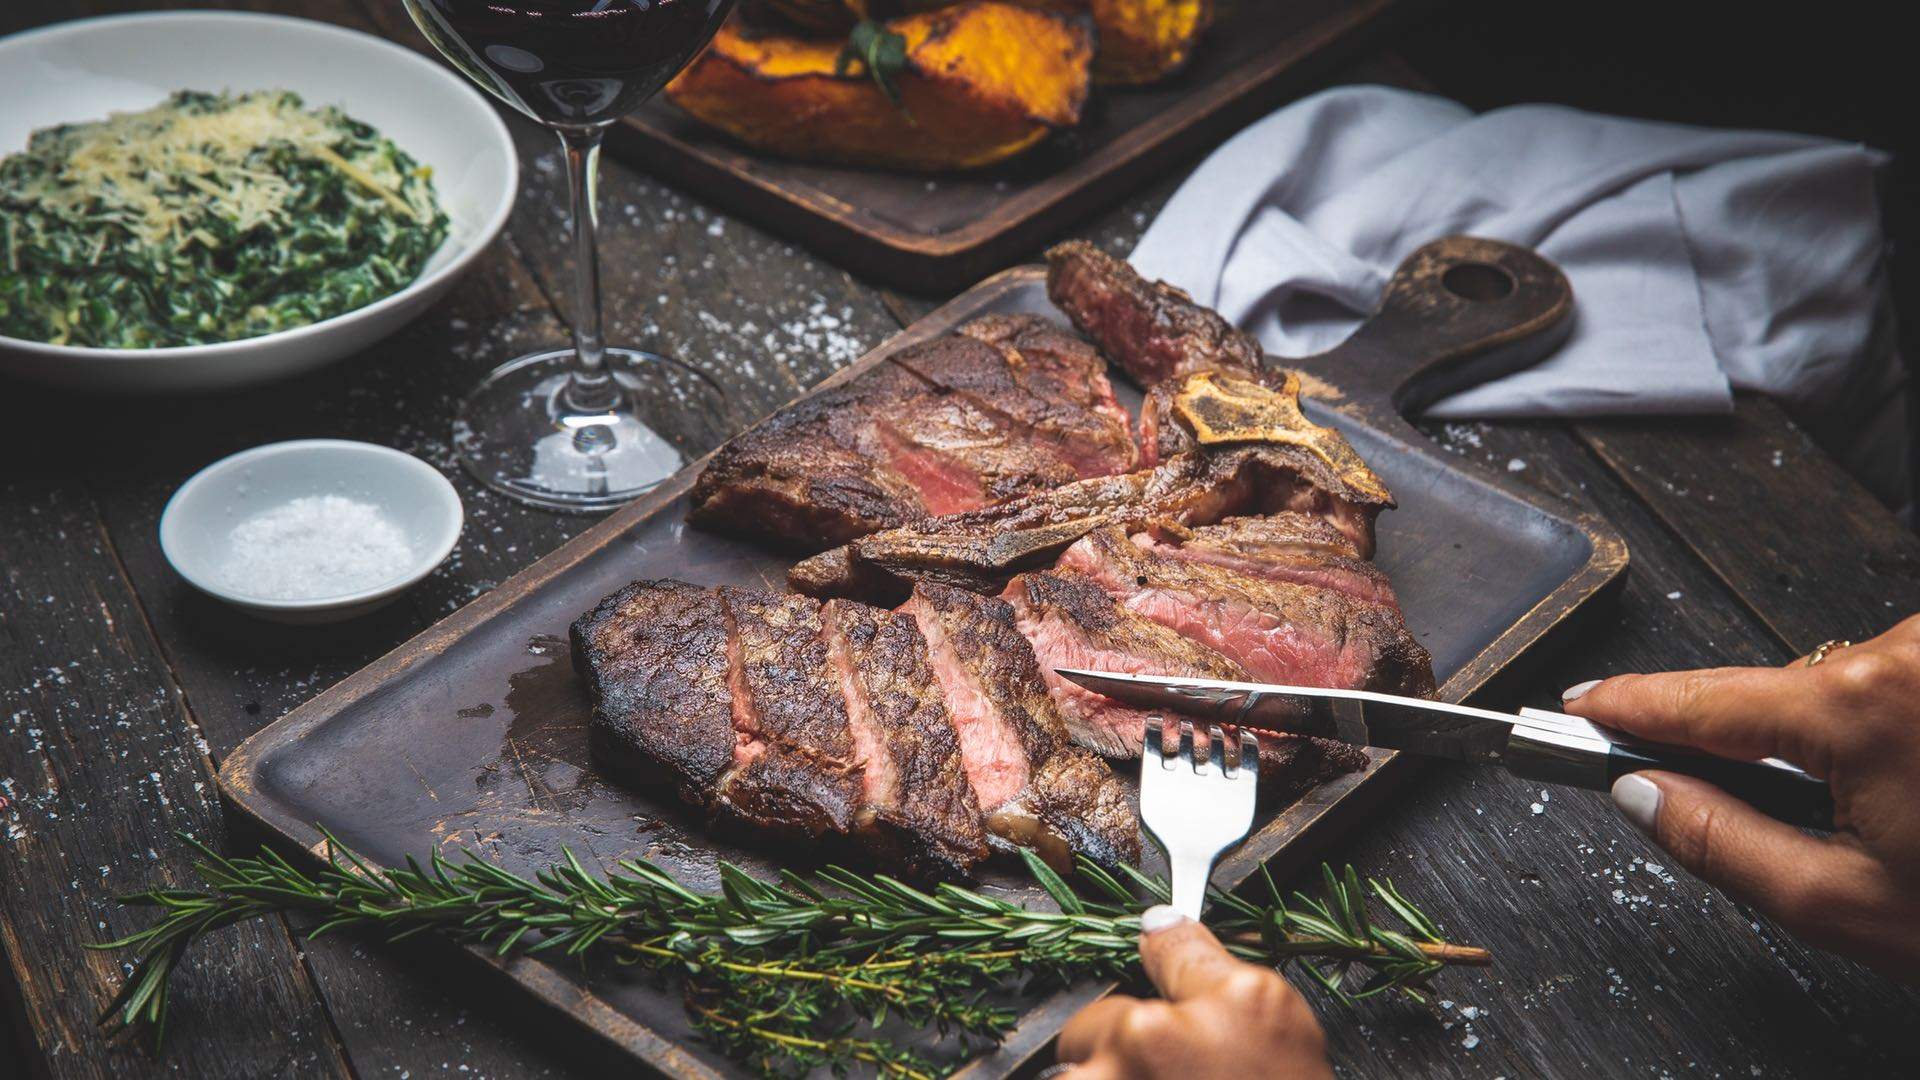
<point>1220,1017</point>
<point>1854,720</point>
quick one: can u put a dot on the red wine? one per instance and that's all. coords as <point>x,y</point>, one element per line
<point>570,62</point>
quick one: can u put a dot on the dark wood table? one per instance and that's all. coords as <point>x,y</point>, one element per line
<point>121,689</point>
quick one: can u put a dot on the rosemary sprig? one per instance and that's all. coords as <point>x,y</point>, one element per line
<point>799,973</point>
<point>884,54</point>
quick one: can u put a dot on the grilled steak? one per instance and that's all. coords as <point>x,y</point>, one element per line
<point>981,549</point>
<point>1277,630</point>
<point>1152,330</point>
<point>1036,788</point>
<point>919,808</point>
<point>1286,546</point>
<point>1072,622</point>
<point>834,724</point>
<point>1010,406</point>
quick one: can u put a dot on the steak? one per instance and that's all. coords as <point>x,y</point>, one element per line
<point>1072,622</point>
<point>1036,788</point>
<point>1008,407</point>
<point>1287,546</point>
<point>981,549</point>
<point>919,809</point>
<point>844,725</point>
<point>1277,630</point>
<point>1153,330</point>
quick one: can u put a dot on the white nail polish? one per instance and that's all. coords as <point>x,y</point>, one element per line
<point>1159,917</point>
<point>1577,689</point>
<point>1638,799</point>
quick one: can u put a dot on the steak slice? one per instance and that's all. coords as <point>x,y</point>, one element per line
<point>654,658</point>
<point>1045,380</point>
<point>796,769</point>
<point>981,549</point>
<point>1008,407</point>
<point>1286,546</point>
<point>1278,631</point>
<point>1151,329</point>
<point>1072,622</point>
<point>919,809</point>
<point>1036,788</point>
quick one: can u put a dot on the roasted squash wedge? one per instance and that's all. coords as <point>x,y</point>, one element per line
<point>1141,41</point>
<point>983,81</point>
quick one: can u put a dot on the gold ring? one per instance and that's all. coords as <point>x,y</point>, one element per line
<point>1821,650</point>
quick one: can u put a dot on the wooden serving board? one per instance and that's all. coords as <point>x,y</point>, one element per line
<point>474,734</point>
<point>935,234</point>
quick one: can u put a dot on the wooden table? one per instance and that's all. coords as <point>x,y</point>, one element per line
<point>121,690</point>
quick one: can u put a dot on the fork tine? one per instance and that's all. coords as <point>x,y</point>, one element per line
<point>1154,750</point>
<point>1186,743</point>
<point>1217,748</point>
<point>1249,754</point>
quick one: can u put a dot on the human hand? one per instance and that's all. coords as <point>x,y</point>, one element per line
<point>1853,720</point>
<point>1219,1017</point>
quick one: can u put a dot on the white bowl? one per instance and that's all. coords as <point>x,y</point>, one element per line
<point>196,529</point>
<point>83,70</point>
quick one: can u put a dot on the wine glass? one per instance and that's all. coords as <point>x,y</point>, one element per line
<point>580,428</point>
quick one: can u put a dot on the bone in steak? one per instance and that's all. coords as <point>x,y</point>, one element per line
<point>1072,622</point>
<point>1009,406</point>
<point>841,725</point>
<point>1153,330</point>
<point>1277,630</point>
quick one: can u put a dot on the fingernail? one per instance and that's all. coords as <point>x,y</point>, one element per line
<point>1159,917</point>
<point>1638,799</point>
<point>1577,689</point>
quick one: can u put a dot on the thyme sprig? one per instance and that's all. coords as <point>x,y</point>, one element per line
<point>831,970</point>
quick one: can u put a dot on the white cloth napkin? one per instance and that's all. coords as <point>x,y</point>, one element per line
<point>1701,261</point>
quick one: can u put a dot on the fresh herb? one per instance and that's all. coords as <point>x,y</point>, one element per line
<point>208,218</point>
<point>883,52</point>
<point>811,972</point>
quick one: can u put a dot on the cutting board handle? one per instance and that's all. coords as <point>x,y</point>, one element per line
<point>1459,311</point>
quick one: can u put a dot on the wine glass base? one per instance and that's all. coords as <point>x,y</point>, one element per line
<point>516,433</point>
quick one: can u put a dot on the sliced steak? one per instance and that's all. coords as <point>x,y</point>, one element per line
<point>1151,329</point>
<point>1011,406</point>
<point>1286,546</point>
<point>796,769</point>
<point>1072,622</point>
<point>1044,379</point>
<point>981,549</point>
<point>654,658</point>
<point>919,808</point>
<point>1036,788</point>
<point>1278,631</point>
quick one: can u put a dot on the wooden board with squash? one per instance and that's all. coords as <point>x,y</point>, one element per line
<point>925,143</point>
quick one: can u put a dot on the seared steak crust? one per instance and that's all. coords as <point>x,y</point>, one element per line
<point>1035,787</point>
<point>1301,548</point>
<point>1151,329</point>
<point>1278,631</point>
<point>980,549</point>
<point>919,810</point>
<point>1010,407</point>
<point>1072,622</point>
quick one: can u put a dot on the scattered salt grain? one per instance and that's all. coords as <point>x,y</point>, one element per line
<point>1515,465</point>
<point>315,546</point>
<point>1470,1041</point>
<point>1537,808</point>
<point>1674,595</point>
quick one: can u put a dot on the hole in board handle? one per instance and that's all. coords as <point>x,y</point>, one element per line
<point>1481,282</point>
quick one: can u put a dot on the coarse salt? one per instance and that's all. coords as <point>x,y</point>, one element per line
<point>315,546</point>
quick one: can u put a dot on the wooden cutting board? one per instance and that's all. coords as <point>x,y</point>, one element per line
<point>935,234</point>
<point>474,734</point>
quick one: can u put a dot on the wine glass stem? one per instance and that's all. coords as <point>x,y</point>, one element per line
<point>589,388</point>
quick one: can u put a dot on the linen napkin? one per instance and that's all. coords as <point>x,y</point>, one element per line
<point>1701,261</point>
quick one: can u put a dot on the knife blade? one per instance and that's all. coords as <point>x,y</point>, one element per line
<point>1536,744</point>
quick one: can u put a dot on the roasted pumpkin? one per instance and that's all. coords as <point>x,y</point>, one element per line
<point>982,81</point>
<point>1141,41</point>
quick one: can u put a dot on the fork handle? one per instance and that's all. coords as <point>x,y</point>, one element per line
<point>1187,879</point>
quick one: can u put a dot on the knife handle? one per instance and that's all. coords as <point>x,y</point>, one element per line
<point>1778,791</point>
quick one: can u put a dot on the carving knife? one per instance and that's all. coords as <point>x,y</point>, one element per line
<point>1534,743</point>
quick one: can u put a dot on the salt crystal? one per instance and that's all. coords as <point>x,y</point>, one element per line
<point>1470,1041</point>
<point>315,546</point>
<point>1536,808</point>
<point>1516,465</point>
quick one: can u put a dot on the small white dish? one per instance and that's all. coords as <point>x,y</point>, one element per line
<point>83,70</point>
<point>196,529</point>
